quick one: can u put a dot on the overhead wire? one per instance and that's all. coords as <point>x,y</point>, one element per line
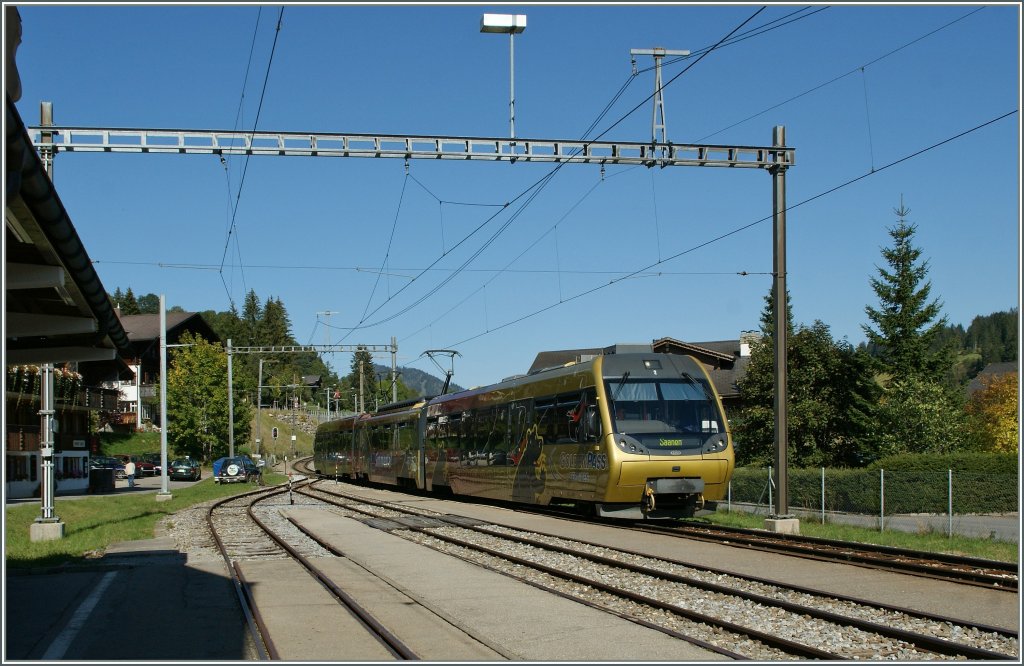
<point>841,76</point>
<point>737,230</point>
<point>536,188</point>
<point>245,167</point>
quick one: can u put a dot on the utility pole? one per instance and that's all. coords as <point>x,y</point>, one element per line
<point>394,369</point>
<point>231,407</point>
<point>327,326</point>
<point>259,407</point>
<point>47,527</point>
<point>362,400</point>
<point>164,493</point>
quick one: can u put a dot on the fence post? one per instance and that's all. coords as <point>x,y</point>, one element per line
<point>729,499</point>
<point>771,502</point>
<point>822,495</point>
<point>881,508</point>
<point>949,494</point>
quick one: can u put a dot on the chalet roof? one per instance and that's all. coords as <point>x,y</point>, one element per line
<point>991,370</point>
<point>725,350</point>
<point>145,327</point>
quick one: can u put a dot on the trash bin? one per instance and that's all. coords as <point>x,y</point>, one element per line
<point>101,480</point>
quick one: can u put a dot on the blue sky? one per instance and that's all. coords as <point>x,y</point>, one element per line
<point>858,88</point>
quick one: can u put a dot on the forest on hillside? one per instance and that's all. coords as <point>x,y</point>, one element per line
<point>990,338</point>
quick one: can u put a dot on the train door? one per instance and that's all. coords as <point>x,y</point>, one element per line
<point>526,444</point>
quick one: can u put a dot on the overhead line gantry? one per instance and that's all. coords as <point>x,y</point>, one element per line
<point>51,139</point>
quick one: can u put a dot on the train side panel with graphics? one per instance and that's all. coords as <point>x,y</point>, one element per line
<point>630,435</point>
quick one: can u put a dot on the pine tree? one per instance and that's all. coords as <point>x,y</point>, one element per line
<point>362,364</point>
<point>908,324</point>
<point>252,313</point>
<point>129,305</point>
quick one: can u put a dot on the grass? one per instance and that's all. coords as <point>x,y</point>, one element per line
<point>931,542</point>
<point>93,523</point>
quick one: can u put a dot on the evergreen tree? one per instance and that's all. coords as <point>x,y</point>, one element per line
<point>362,365</point>
<point>908,324</point>
<point>252,313</point>
<point>116,298</point>
<point>129,305</point>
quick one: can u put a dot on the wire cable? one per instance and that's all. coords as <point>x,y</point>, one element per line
<point>739,229</point>
<point>245,167</point>
<point>536,188</point>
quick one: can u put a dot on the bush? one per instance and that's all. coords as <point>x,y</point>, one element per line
<point>914,483</point>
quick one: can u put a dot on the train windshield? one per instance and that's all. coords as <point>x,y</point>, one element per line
<point>664,414</point>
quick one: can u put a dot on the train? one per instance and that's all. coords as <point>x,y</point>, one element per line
<point>623,435</point>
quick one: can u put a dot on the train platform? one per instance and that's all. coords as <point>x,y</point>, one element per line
<point>145,601</point>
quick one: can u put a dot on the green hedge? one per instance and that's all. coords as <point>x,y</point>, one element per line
<point>982,483</point>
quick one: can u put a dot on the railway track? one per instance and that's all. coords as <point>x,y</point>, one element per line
<point>989,574</point>
<point>735,616</point>
<point>242,534</point>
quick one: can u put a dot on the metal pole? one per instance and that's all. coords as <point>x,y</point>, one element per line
<point>163,395</point>
<point>231,408</point>
<point>822,495</point>
<point>46,152</point>
<point>394,369</point>
<point>47,487</point>
<point>512,85</point>
<point>949,494</point>
<point>778,172</point>
<point>770,484</point>
<point>259,408</point>
<point>881,501</point>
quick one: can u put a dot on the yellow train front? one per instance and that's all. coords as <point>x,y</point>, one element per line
<point>625,435</point>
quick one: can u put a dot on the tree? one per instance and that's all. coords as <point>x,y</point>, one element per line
<point>830,399</point>
<point>992,411</point>
<point>362,366</point>
<point>916,415</point>
<point>908,324</point>
<point>129,305</point>
<point>149,304</point>
<point>197,401</point>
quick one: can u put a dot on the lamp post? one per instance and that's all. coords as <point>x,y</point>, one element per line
<point>511,24</point>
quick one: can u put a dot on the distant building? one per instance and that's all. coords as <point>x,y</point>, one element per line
<point>991,370</point>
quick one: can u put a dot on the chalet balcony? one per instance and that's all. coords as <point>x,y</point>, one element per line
<point>85,397</point>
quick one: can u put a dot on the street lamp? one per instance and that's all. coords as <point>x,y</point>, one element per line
<point>511,24</point>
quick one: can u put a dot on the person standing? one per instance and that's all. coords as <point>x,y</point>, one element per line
<point>129,470</point>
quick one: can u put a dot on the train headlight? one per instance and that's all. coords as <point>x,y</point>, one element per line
<point>630,445</point>
<point>716,444</point>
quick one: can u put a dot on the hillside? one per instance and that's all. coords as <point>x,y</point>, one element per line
<point>418,381</point>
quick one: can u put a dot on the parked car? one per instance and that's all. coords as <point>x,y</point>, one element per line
<point>155,459</point>
<point>143,466</point>
<point>237,469</point>
<point>185,468</point>
<point>108,462</point>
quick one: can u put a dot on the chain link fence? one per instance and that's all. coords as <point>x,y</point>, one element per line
<point>950,502</point>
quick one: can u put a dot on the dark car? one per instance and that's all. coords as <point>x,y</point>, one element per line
<point>155,459</point>
<point>237,469</point>
<point>185,468</point>
<point>107,462</point>
<point>143,468</point>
